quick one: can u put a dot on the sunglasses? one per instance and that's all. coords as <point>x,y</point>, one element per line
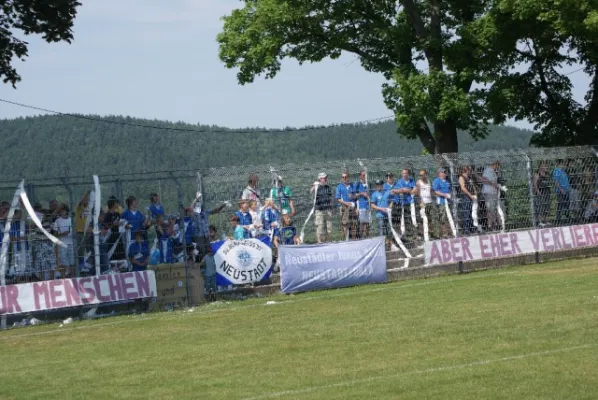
<point>422,175</point>
<point>344,177</point>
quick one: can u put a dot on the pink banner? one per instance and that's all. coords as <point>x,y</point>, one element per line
<point>510,244</point>
<point>48,295</point>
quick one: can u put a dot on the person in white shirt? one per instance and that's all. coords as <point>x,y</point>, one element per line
<point>425,194</point>
<point>64,230</point>
<point>491,193</point>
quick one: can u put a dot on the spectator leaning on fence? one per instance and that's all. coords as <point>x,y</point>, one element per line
<point>563,188</point>
<point>542,188</point>
<point>467,194</point>
<point>252,192</point>
<point>323,208</point>
<point>442,189</point>
<point>245,219</point>
<point>380,204</point>
<point>423,190</point>
<point>362,199</point>
<point>404,188</point>
<point>135,222</point>
<point>344,197</point>
<point>491,193</point>
<point>155,208</point>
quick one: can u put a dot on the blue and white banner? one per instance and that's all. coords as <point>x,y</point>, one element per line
<point>240,262</point>
<point>324,266</point>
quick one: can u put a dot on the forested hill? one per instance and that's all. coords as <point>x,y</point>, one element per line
<point>60,145</point>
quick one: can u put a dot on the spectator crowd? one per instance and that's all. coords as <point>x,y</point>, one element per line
<point>411,208</point>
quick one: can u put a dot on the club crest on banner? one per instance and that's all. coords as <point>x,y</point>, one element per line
<point>241,262</point>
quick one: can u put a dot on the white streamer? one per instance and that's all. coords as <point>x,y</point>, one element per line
<point>413,218</point>
<point>36,220</point>
<point>402,220</point>
<point>96,224</point>
<point>474,213</point>
<point>422,213</point>
<point>397,238</point>
<point>449,216</point>
<point>301,236</point>
<point>501,215</point>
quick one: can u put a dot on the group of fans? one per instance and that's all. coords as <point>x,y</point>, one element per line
<point>407,209</point>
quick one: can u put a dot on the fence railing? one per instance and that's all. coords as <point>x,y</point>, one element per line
<point>489,191</point>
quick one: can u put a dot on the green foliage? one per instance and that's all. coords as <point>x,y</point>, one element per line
<point>62,146</point>
<point>53,20</point>
<point>470,48</point>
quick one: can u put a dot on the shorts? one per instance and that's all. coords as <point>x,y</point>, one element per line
<point>383,228</point>
<point>347,215</point>
<point>323,222</point>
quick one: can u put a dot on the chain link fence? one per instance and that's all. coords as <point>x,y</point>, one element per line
<point>484,192</point>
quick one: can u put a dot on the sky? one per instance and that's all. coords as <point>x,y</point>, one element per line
<point>158,59</point>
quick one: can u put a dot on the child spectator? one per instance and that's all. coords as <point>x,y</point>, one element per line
<point>442,188</point>
<point>238,231</point>
<point>139,253</point>
<point>244,216</point>
<point>256,219</point>
<point>282,197</point>
<point>64,230</point>
<point>287,234</point>
<point>164,231</point>
<point>270,216</point>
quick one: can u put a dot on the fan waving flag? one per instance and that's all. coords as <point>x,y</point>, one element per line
<point>240,262</point>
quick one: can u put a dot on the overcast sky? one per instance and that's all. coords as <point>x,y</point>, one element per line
<point>159,59</point>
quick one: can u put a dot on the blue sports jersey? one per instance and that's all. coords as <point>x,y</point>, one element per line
<point>245,220</point>
<point>287,235</point>
<point>405,198</point>
<point>443,187</point>
<point>135,219</point>
<point>270,216</point>
<point>344,192</point>
<point>392,197</point>
<point>381,199</point>
<point>560,176</point>
<point>140,253</point>
<point>189,230</point>
<point>155,210</point>
<point>359,187</point>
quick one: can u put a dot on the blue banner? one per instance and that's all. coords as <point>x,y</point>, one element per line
<point>324,266</point>
<point>240,262</point>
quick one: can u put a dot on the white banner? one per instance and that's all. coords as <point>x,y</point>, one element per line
<point>241,262</point>
<point>62,293</point>
<point>510,244</point>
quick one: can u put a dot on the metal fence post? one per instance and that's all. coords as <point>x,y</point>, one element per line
<point>179,192</point>
<point>69,190</point>
<point>530,184</point>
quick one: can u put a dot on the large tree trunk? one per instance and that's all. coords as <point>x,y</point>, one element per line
<point>445,134</point>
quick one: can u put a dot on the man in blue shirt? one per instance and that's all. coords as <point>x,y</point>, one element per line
<point>201,223</point>
<point>563,190</point>
<point>404,188</point>
<point>245,219</point>
<point>380,203</point>
<point>346,201</point>
<point>362,197</point>
<point>395,217</point>
<point>442,189</point>
<point>155,208</point>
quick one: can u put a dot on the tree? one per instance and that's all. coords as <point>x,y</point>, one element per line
<point>550,35</point>
<point>388,37</point>
<point>53,19</point>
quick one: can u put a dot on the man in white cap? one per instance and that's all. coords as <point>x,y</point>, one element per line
<point>323,208</point>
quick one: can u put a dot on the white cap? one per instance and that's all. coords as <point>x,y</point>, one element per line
<point>322,175</point>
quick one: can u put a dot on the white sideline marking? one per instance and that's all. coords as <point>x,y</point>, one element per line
<point>169,316</point>
<point>312,389</point>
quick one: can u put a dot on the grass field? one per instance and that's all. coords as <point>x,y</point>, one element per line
<point>521,332</point>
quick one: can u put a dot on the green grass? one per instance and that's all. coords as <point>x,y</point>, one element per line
<point>524,332</point>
